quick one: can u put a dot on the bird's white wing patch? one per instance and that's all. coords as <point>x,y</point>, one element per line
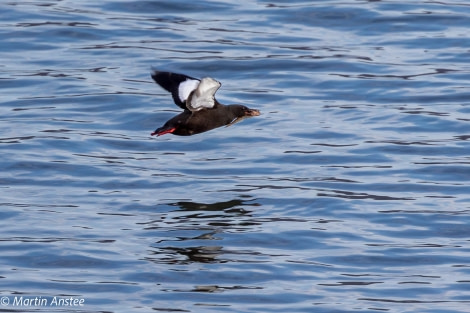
<point>186,87</point>
<point>203,96</point>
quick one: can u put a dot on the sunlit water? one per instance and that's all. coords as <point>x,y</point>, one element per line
<point>350,193</point>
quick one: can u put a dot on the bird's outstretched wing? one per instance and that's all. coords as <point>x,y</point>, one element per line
<point>179,85</point>
<point>203,96</point>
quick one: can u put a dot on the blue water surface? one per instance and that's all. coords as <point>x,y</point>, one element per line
<point>350,193</point>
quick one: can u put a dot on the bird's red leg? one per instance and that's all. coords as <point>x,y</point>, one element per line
<point>163,132</point>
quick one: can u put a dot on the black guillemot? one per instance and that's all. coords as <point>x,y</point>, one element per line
<point>202,112</point>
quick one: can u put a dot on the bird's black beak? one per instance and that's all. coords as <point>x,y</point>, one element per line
<point>247,113</point>
<point>252,112</point>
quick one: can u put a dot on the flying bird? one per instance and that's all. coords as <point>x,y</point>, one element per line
<point>202,112</point>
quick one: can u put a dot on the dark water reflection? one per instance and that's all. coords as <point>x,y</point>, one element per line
<point>349,194</point>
